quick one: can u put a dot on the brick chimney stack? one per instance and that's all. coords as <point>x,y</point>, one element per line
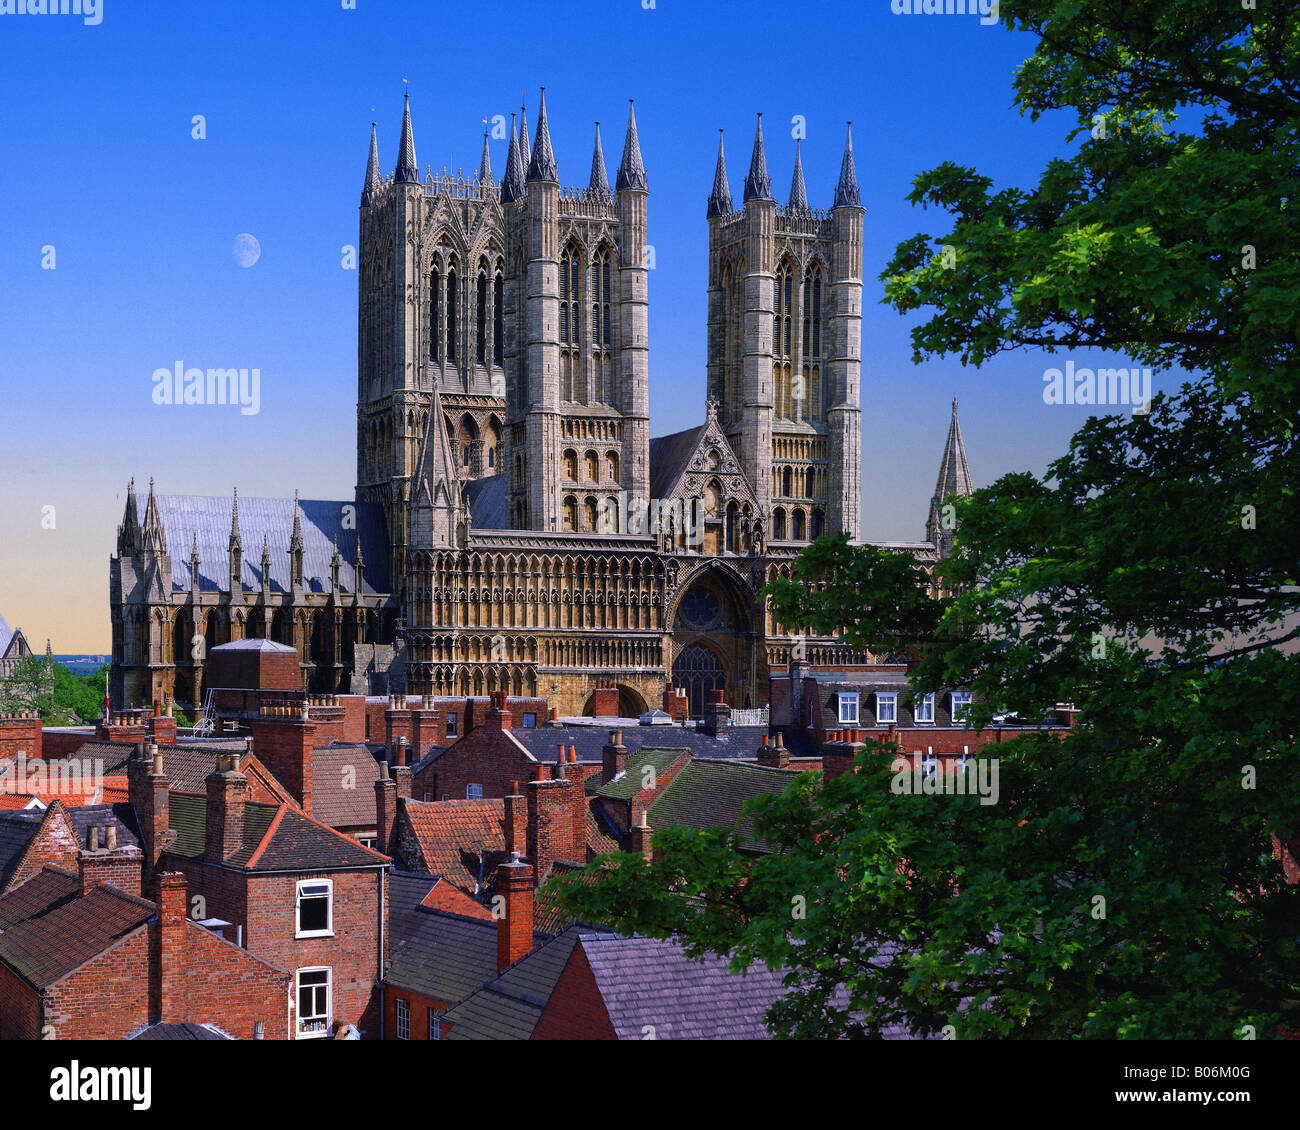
<point>227,794</point>
<point>385,809</point>
<point>516,820</point>
<point>774,754</point>
<point>402,772</point>
<point>515,917</point>
<point>717,714</point>
<point>108,863</point>
<point>552,820</point>
<point>498,715</point>
<point>640,835</point>
<point>604,700</point>
<point>150,795</point>
<point>168,940</point>
<point>613,756</point>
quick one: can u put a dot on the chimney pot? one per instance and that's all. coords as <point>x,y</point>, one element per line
<point>92,839</point>
<point>110,837</point>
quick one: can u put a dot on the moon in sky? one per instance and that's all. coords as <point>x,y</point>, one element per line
<point>246,250</point>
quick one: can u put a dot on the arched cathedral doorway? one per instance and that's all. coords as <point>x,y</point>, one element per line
<point>699,670</point>
<point>713,638</point>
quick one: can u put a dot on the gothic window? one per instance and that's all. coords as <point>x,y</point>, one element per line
<point>569,331</point>
<point>818,523</point>
<point>453,314</point>
<point>592,467</point>
<point>601,329</point>
<point>435,315</point>
<point>498,321</point>
<point>611,466</point>
<point>699,671</point>
<point>812,304</point>
<point>810,480</point>
<point>570,513</point>
<point>799,524</point>
<point>481,316</point>
<point>589,514</point>
<point>571,465</point>
<point>778,524</point>
<point>784,311</point>
<point>787,478</point>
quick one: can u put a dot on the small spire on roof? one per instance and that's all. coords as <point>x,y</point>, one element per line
<point>371,185</point>
<point>798,190</point>
<point>846,191</point>
<point>758,185</point>
<point>631,170</point>
<point>598,185</point>
<point>408,170</point>
<point>542,167</point>
<point>720,197</point>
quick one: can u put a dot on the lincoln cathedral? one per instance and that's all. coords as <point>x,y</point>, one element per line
<point>503,389</point>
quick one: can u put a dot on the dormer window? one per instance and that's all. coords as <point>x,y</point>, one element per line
<point>886,707</point>
<point>848,708</point>
<point>960,705</point>
<point>924,710</point>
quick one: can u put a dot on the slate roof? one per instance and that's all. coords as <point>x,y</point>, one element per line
<point>114,755</point>
<point>486,498</point>
<point>708,793</point>
<point>644,981</point>
<point>334,767</point>
<point>50,887</point>
<point>441,955</point>
<point>46,948</point>
<point>668,456</point>
<point>741,741</point>
<point>628,783</point>
<point>121,816</point>
<point>180,1032</point>
<point>185,515</point>
<point>509,1006</point>
<point>276,838</point>
<point>452,832</point>
<point>17,830</point>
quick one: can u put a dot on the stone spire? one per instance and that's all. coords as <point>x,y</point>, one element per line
<point>266,562</point>
<point>954,479</point>
<point>194,561</point>
<point>512,188</point>
<point>598,186</point>
<point>371,186</point>
<point>542,166</point>
<point>236,539</point>
<point>408,172</point>
<point>720,197</point>
<point>128,533</point>
<point>631,170</point>
<point>846,192</point>
<point>295,538</point>
<point>758,185</point>
<point>485,163</point>
<point>235,549</point>
<point>153,536</point>
<point>525,153</point>
<point>798,190</point>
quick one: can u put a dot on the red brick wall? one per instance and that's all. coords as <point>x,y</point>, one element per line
<point>553,824</point>
<point>353,728</point>
<point>284,746</point>
<point>575,1010</point>
<point>420,1009</point>
<point>20,735</point>
<point>265,906</point>
<point>485,757</point>
<point>56,744</point>
<point>55,842</point>
<point>19,1009</point>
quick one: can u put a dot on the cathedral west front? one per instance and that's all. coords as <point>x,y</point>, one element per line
<point>514,526</point>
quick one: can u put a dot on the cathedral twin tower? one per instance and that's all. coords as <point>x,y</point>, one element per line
<point>503,345</point>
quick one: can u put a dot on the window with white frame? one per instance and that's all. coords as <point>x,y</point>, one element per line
<point>960,704</point>
<point>313,1002</point>
<point>435,1024</point>
<point>403,1019</point>
<point>930,764</point>
<point>924,711</point>
<point>886,707</point>
<point>368,841</point>
<point>473,792</point>
<point>315,908</point>
<point>848,708</point>
<point>451,725</point>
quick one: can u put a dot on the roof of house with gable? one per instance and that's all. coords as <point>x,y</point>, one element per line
<point>47,946</point>
<point>276,838</point>
<point>705,794</point>
<point>461,840</point>
<point>343,778</point>
<point>509,1006</point>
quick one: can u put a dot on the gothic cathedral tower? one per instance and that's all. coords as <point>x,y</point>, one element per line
<point>784,341</point>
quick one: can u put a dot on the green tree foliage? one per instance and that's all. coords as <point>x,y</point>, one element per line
<point>1125,885</point>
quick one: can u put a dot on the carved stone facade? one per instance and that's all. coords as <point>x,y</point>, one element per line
<point>514,526</point>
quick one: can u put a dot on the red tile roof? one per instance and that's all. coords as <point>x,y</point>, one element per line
<point>443,896</point>
<point>454,835</point>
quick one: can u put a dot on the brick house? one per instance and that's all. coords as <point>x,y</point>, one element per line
<point>84,957</point>
<point>288,888</point>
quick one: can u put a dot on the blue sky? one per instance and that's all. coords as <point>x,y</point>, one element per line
<point>97,161</point>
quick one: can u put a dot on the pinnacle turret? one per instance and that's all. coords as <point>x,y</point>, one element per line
<point>758,185</point>
<point>542,166</point>
<point>371,186</point>
<point>720,197</point>
<point>408,172</point>
<point>525,153</point>
<point>512,188</point>
<point>153,536</point>
<point>631,170</point>
<point>295,538</point>
<point>798,190</point>
<point>598,185</point>
<point>954,479</point>
<point>236,539</point>
<point>128,533</point>
<point>485,163</point>
<point>846,191</point>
